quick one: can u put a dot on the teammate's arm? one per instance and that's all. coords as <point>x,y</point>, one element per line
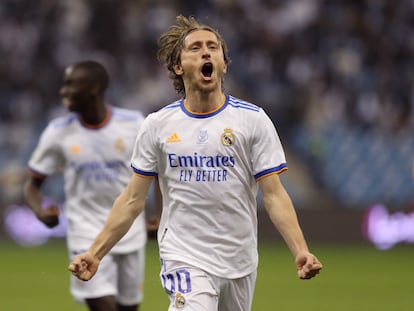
<point>283,216</point>
<point>129,204</point>
<point>33,196</point>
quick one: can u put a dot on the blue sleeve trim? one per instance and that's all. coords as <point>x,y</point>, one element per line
<point>278,169</point>
<point>144,173</point>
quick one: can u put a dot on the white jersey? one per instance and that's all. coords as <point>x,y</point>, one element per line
<point>96,167</point>
<point>208,166</point>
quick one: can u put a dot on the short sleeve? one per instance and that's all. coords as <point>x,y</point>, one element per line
<point>47,158</point>
<point>267,152</point>
<point>144,156</point>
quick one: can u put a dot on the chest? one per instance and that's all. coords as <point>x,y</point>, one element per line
<point>85,145</point>
<point>205,136</point>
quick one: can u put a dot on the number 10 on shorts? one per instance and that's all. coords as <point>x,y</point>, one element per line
<point>180,281</point>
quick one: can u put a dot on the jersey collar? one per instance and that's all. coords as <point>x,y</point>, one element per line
<point>203,115</point>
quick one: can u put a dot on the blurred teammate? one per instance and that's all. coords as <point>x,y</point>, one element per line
<point>210,152</point>
<point>92,146</point>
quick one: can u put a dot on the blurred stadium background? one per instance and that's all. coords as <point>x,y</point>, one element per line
<point>336,77</point>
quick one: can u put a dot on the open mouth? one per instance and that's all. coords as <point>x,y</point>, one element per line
<point>207,70</point>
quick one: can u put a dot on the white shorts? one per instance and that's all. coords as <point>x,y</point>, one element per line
<point>119,275</point>
<point>193,289</point>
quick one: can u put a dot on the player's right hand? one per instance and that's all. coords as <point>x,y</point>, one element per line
<point>84,266</point>
<point>49,216</point>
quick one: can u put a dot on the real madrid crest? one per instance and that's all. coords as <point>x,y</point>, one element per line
<point>228,138</point>
<point>179,300</point>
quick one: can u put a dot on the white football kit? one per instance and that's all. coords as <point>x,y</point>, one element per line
<point>208,167</point>
<point>96,166</point>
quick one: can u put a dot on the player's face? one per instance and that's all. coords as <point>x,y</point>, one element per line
<point>76,91</point>
<point>202,62</point>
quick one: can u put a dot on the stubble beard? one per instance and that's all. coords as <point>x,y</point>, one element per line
<point>205,88</point>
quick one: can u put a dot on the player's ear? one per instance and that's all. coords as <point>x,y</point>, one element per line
<point>178,70</point>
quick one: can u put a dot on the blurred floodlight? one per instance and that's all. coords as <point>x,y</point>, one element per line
<point>25,229</point>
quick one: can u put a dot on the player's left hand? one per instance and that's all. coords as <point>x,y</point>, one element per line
<point>49,216</point>
<point>308,265</point>
<point>153,222</point>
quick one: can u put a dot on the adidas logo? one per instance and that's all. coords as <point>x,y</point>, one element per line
<point>173,138</point>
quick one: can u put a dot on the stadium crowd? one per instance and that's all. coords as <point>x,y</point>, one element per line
<point>312,64</point>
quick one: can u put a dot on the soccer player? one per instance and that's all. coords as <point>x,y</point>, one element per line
<point>92,146</point>
<point>211,151</point>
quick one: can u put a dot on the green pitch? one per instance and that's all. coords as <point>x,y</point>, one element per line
<point>354,278</point>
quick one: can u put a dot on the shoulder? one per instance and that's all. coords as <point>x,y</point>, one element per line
<point>242,105</point>
<point>62,122</point>
<point>166,111</point>
<point>58,128</point>
<point>123,114</point>
<point>174,106</point>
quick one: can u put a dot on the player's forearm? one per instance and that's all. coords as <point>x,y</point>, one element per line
<point>33,197</point>
<point>284,218</point>
<point>107,239</point>
<point>293,236</point>
<point>120,219</point>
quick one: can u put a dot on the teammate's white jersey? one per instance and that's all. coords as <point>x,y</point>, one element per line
<point>96,167</point>
<point>208,167</point>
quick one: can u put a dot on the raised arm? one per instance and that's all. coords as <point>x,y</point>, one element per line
<point>129,204</point>
<point>283,216</point>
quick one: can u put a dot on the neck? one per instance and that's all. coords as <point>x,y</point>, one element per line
<point>204,102</point>
<point>95,116</point>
